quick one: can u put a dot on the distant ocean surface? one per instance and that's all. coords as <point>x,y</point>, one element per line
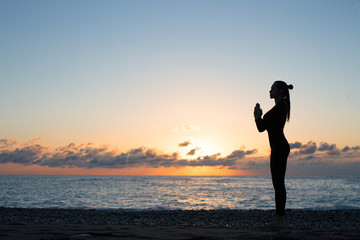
<point>171,193</point>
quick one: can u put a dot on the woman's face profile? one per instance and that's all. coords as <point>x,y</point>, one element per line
<point>274,91</point>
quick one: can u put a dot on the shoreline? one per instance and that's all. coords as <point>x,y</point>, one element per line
<point>55,223</point>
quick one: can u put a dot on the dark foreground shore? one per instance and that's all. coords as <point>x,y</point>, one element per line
<point>25,223</point>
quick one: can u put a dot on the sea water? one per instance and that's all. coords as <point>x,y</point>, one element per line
<point>175,192</point>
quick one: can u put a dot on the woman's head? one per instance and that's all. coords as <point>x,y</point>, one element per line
<point>280,90</point>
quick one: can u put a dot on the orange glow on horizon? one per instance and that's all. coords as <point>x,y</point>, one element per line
<point>18,169</point>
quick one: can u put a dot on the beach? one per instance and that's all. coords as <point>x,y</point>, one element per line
<point>52,223</point>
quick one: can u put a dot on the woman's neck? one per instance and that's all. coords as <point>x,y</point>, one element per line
<point>277,100</point>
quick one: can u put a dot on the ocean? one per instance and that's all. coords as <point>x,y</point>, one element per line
<point>135,193</point>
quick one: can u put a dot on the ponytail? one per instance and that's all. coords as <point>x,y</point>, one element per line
<point>285,89</point>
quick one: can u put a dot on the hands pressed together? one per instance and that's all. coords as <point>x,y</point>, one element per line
<point>257,111</point>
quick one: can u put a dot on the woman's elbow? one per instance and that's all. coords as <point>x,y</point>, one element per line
<point>261,129</point>
<point>260,126</point>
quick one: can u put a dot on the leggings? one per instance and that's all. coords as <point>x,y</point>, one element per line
<point>278,160</point>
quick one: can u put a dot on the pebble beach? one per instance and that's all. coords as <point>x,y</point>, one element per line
<point>41,223</point>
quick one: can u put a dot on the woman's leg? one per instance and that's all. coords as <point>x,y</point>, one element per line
<point>278,162</point>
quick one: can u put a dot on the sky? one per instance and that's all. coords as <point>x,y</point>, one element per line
<point>152,87</point>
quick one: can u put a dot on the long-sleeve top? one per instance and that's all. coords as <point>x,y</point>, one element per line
<point>274,122</point>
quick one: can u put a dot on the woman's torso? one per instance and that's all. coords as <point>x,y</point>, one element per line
<point>275,119</point>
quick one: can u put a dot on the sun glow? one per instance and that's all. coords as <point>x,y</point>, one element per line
<point>206,150</point>
<point>14,169</point>
<point>200,150</point>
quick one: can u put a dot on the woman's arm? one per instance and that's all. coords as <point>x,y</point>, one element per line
<point>260,123</point>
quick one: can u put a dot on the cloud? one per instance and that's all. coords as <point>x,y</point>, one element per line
<point>241,153</point>
<point>311,148</point>
<point>325,146</point>
<point>91,156</point>
<point>6,143</point>
<point>26,155</point>
<point>233,160</point>
<point>305,158</point>
<point>192,152</point>
<point>330,149</point>
<point>33,141</point>
<point>191,128</point>
<point>187,128</point>
<point>184,144</point>
<point>326,159</point>
<point>295,145</point>
<point>347,148</point>
<point>308,148</point>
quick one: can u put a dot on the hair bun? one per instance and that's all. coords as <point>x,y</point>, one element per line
<point>290,86</point>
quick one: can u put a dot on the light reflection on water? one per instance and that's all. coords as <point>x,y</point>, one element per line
<point>151,192</point>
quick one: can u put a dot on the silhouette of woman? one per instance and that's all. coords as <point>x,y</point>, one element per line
<point>274,122</point>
